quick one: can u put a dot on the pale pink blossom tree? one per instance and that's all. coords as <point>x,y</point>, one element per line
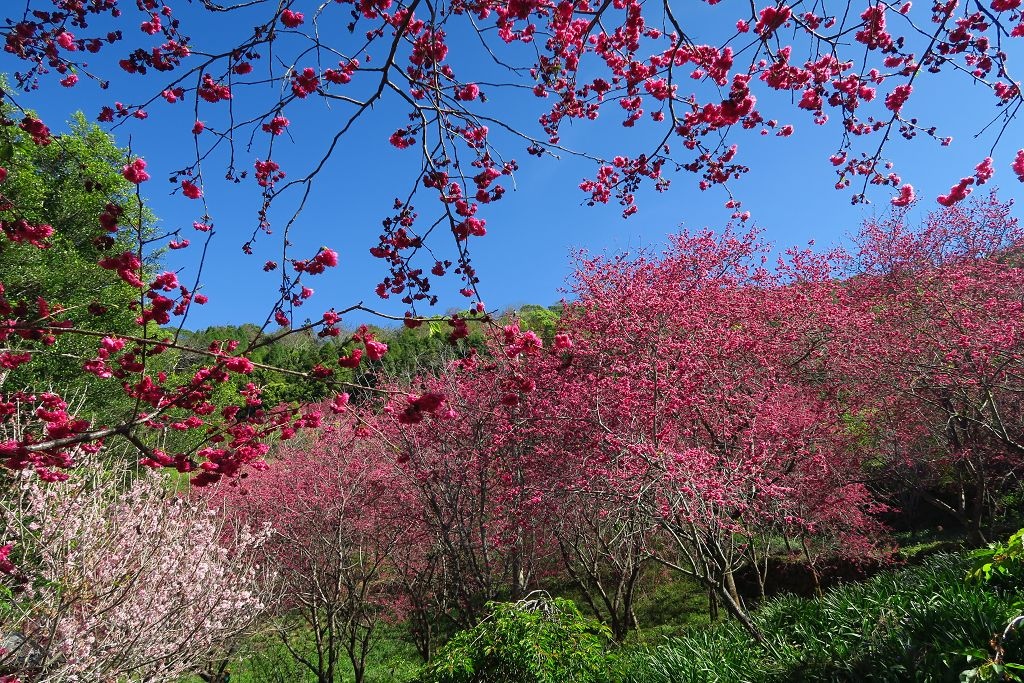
<point>120,578</point>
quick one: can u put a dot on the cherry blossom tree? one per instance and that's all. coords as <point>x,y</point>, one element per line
<point>456,440</point>
<point>605,549</point>
<point>942,358</point>
<point>337,515</point>
<point>115,577</point>
<point>420,571</point>
<point>700,383</point>
<point>691,405</point>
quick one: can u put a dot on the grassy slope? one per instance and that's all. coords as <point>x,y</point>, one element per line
<point>902,625</point>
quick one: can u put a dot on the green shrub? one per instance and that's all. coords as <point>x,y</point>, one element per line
<point>1000,565</point>
<point>899,626</point>
<point>535,640</point>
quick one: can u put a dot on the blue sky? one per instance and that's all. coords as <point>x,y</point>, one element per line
<point>532,232</point>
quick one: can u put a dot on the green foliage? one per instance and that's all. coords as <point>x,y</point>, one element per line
<point>296,352</point>
<point>991,669</point>
<point>857,425</point>
<point>673,605</point>
<point>1009,509</point>
<point>536,640</point>
<point>543,321</point>
<point>1004,559</point>
<point>899,626</point>
<point>412,352</point>
<point>1000,564</point>
<point>917,624</point>
<point>424,350</point>
<point>67,184</point>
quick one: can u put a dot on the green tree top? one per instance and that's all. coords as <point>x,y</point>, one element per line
<point>69,184</point>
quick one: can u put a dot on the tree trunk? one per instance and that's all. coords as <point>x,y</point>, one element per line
<point>730,584</point>
<point>976,534</point>
<point>422,635</point>
<point>810,565</point>
<point>737,611</point>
